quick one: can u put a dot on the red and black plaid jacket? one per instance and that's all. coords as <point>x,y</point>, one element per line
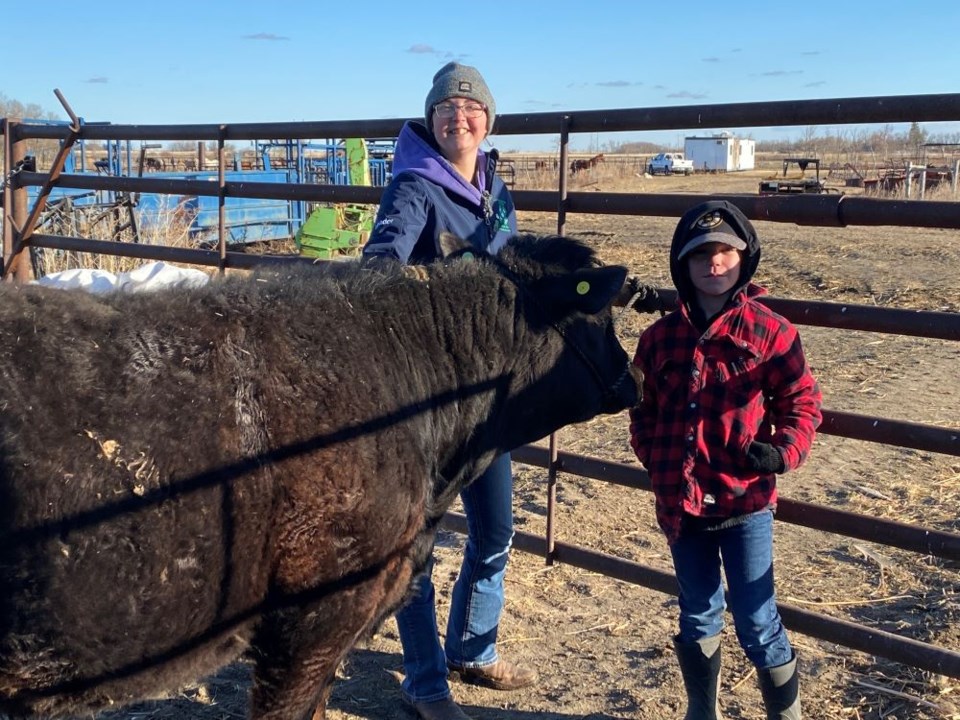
<point>706,397</point>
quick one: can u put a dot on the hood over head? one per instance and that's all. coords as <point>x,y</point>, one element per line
<point>417,152</point>
<point>713,221</point>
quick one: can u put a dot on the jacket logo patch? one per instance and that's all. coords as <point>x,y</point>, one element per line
<point>501,218</point>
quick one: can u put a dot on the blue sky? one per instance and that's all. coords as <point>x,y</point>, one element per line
<point>191,62</point>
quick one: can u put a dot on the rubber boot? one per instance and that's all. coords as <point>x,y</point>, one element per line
<point>700,667</point>
<point>780,687</point>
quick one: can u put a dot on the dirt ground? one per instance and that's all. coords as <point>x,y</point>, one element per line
<point>603,646</point>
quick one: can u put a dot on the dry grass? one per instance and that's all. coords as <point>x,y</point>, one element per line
<point>171,230</point>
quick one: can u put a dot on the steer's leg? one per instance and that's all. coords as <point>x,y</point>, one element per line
<point>297,649</point>
<point>295,662</point>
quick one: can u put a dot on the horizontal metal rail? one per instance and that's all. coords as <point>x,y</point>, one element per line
<point>920,323</point>
<point>849,316</point>
<point>914,538</point>
<point>858,637</point>
<point>891,432</point>
<point>210,258</point>
<point>815,210</point>
<point>208,188</point>
<point>829,111</point>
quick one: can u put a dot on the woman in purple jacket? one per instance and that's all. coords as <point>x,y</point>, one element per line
<point>443,181</point>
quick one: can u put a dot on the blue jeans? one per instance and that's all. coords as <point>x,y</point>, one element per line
<point>477,598</point>
<point>746,550</point>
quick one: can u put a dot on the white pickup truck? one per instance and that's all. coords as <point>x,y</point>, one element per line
<point>670,164</point>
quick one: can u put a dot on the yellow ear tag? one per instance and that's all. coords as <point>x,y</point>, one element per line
<point>467,256</point>
<point>583,287</point>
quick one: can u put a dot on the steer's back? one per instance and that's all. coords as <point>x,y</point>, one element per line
<point>123,494</point>
<point>164,461</point>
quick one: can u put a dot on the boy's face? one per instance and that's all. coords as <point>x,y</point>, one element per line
<point>714,268</point>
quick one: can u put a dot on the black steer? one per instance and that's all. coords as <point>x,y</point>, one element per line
<point>258,466</point>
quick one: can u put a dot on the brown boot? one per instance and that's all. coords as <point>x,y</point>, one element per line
<point>445,709</point>
<point>501,675</point>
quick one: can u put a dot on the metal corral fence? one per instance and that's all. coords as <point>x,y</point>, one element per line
<point>815,210</point>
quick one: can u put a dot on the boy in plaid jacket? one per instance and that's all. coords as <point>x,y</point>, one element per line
<point>728,403</point>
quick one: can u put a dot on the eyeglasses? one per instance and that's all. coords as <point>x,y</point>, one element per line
<point>469,110</point>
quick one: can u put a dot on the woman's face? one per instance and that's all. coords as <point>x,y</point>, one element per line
<point>459,135</point>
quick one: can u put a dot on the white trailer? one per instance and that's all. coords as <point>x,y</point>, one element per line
<point>722,152</point>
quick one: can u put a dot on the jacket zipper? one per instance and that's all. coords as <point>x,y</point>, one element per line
<point>486,198</point>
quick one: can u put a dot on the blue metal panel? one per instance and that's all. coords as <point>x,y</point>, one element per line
<point>246,219</point>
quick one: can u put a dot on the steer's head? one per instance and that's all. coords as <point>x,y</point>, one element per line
<point>568,364</point>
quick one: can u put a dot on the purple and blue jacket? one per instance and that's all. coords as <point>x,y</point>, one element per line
<point>427,196</point>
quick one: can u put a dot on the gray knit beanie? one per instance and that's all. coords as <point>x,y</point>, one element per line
<point>456,80</point>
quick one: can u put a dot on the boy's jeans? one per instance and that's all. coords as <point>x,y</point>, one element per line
<point>747,553</point>
<point>477,597</point>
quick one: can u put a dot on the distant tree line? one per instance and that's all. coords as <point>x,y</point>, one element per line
<point>16,109</point>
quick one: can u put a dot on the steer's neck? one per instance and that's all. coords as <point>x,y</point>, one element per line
<point>469,331</point>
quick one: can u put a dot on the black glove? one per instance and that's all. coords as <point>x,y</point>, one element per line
<point>764,458</point>
<point>638,295</point>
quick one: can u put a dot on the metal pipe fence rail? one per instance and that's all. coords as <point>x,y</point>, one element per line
<point>852,635</point>
<point>813,210</point>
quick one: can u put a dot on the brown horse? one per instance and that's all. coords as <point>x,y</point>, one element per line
<point>580,164</point>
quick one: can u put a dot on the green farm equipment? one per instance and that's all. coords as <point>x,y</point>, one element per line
<point>340,229</point>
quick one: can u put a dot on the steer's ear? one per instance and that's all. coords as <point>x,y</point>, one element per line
<point>451,244</point>
<point>453,247</point>
<point>586,291</point>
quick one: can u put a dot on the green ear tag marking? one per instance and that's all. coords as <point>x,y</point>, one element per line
<point>467,255</point>
<point>583,287</point>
